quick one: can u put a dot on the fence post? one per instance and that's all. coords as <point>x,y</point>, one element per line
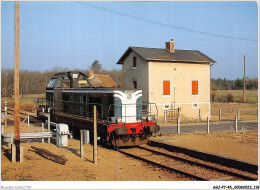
<point>199,114</point>
<point>81,144</point>
<point>95,137</point>
<point>42,131</point>
<point>49,126</point>
<point>236,124</point>
<point>207,124</point>
<point>13,152</point>
<point>178,125</point>
<point>21,153</point>
<point>165,116</point>
<point>220,114</point>
<point>28,121</point>
<point>5,114</point>
<point>238,114</point>
<point>179,113</point>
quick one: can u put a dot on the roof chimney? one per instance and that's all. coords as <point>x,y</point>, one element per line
<point>91,73</point>
<point>170,46</point>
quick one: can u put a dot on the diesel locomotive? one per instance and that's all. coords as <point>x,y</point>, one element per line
<point>123,119</point>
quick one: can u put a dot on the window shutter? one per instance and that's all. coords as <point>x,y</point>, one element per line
<point>195,89</point>
<point>166,87</point>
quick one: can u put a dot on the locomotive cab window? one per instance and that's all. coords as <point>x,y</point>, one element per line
<point>58,85</point>
<point>66,83</point>
<point>82,83</point>
<point>51,83</point>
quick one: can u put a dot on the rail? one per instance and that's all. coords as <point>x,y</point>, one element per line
<point>191,168</point>
<point>230,163</point>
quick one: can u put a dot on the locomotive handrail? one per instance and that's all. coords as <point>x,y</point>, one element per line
<point>155,107</point>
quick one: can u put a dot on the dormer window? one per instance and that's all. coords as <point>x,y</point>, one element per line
<point>134,62</point>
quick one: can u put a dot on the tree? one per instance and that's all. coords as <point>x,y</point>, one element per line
<point>96,66</point>
<point>238,83</point>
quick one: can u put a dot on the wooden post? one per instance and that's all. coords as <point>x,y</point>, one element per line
<point>5,114</point>
<point>3,130</point>
<point>179,113</point>
<point>49,126</point>
<point>220,114</point>
<point>16,83</point>
<point>199,114</point>
<point>165,116</point>
<point>81,144</point>
<point>244,80</point>
<point>238,114</point>
<point>178,125</point>
<point>42,131</point>
<point>13,152</point>
<point>21,153</point>
<point>12,140</point>
<point>236,124</point>
<point>95,137</point>
<point>207,124</point>
<point>28,121</point>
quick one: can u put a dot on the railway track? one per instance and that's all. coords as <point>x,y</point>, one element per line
<point>188,167</point>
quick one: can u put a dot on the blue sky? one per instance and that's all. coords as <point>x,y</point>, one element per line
<point>73,35</point>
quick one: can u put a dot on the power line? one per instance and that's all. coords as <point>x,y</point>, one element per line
<point>239,56</point>
<point>160,23</point>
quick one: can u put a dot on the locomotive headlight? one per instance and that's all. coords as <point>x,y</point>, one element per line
<point>119,119</point>
<point>149,118</point>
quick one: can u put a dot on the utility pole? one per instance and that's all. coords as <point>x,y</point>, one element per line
<point>16,83</point>
<point>244,89</point>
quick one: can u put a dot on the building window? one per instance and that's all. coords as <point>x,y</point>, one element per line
<point>195,105</point>
<point>135,84</point>
<point>195,85</point>
<point>134,61</point>
<point>166,106</point>
<point>166,87</point>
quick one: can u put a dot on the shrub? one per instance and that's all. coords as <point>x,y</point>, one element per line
<point>213,97</point>
<point>242,99</point>
<point>229,97</point>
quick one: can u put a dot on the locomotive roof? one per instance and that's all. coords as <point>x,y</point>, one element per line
<point>67,74</point>
<point>101,88</point>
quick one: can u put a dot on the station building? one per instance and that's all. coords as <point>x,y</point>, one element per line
<point>171,78</point>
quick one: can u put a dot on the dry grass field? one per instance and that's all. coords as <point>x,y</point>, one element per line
<point>229,111</point>
<point>251,95</point>
<point>27,102</point>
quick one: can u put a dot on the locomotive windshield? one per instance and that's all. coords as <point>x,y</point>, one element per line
<point>51,83</point>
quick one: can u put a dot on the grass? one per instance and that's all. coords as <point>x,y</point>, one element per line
<point>247,111</point>
<point>250,95</point>
<point>27,102</point>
